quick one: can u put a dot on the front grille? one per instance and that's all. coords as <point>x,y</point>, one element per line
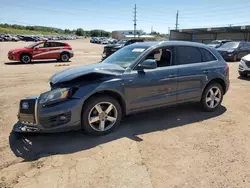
<point>54,121</point>
<point>27,110</point>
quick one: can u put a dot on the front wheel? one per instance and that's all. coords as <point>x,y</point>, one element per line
<point>25,59</point>
<point>101,115</point>
<point>212,97</point>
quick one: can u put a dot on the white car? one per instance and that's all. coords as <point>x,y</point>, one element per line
<point>244,67</point>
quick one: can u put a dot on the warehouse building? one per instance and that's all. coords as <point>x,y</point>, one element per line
<point>206,35</point>
<point>128,34</point>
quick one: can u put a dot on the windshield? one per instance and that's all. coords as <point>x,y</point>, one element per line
<point>215,42</point>
<point>121,42</point>
<point>32,45</point>
<point>125,56</point>
<point>230,45</point>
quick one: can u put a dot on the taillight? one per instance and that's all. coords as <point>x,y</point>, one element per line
<point>227,68</point>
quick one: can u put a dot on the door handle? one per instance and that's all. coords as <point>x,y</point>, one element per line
<point>172,76</point>
<point>206,71</point>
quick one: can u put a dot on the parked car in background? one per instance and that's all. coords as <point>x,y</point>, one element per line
<point>42,50</point>
<point>218,43</point>
<point>234,51</point>
<point>244,66</point>
<point>110,49</point>
<point>138,77</point>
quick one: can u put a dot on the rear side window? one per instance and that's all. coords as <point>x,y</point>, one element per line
<point>207,56</point>
<point>55,44</point>
<point>188,55</point>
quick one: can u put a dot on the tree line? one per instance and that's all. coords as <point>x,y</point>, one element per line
<point>79,31</point>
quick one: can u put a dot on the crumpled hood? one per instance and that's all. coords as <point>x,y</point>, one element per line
<point>72,73</point>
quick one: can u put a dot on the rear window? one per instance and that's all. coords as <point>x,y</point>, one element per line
<point>207,56</point>
<point>188,55</point>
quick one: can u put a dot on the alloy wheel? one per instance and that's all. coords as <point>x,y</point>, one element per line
<point>26,59</point>
<point>102,116</point>
<point>213,97</point>
<point>65,57</point>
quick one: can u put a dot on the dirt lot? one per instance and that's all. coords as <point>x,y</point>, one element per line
<point>172,147</point>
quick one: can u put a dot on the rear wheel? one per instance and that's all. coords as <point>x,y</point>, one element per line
<point>212,97</point>
<point>25,58</point>
<point>101,115</point>
<point>65,57</point>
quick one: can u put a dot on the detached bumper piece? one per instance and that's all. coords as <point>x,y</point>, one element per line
<point>19,127</point>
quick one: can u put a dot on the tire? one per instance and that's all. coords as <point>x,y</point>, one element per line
<point>211,102</point>
<point>242,74</point>
<point>64,57</point>
<point>235,58</point>
<point>97,128</point>
<point>25,58</point>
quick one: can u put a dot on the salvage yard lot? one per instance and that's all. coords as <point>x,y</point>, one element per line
<point>171,147</point>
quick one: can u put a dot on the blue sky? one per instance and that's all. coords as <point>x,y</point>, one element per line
<point>118,14</point>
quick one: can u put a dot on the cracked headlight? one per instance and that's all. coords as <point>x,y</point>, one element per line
<point>54,96</point>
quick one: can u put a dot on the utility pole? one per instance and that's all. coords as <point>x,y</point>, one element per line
<point>177,20</point>
<point>135,21</point>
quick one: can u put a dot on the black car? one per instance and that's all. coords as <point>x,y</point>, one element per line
<point>234,51</point>
<point>136,78</point>
<point>27,38</point>
<point>218,43</point>
<point>110,49</point>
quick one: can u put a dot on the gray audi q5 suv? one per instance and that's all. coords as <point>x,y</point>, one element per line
<point>138,77</point>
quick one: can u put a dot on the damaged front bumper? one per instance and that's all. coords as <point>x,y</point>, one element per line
<point>34,117</point>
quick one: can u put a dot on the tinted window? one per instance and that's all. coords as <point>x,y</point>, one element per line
<point>188,55</point>
<point>162,56</point>
<point>207,56</point>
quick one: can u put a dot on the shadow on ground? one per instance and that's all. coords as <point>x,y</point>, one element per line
<point>35,62</point>
<point>247,78</point>
<point>32,147</point>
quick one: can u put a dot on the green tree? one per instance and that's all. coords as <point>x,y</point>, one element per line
<point>79,32</point>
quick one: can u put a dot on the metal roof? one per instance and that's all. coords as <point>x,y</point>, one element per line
<point>241,29</point>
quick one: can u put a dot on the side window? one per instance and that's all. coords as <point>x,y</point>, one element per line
<point>188,55</point>
<point>60,44</point>
<point>40,45</point>
<point>207,56</point>
<point>52,44</point>
<point>162,56</point>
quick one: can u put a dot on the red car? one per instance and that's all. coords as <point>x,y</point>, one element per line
<point>42,50</point>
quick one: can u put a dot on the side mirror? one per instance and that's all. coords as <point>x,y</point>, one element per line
<point>147,64</point>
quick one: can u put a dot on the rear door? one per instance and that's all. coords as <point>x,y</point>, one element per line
<point>192,73</point>
<point>54,50</point>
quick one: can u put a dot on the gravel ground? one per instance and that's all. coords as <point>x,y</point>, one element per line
<point>172,147</point>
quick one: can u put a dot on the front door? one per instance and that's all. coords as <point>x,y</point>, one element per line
<point>152,88</point>
<point>40,51</point>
